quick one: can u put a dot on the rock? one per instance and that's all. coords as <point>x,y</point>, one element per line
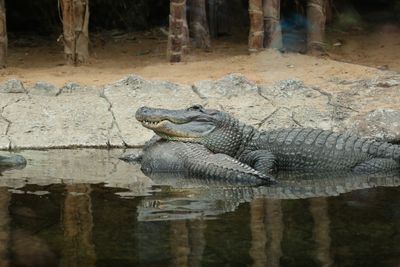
<point>388,81</point>
<point>381,124</point>
<point>229,86</point>
<point>12,86</point>
<point>68,120</point>
<point>44,88</point>
<point>237,95</point>
<point>71,88</point>
<point>286,88</point>
<point>297,106</point>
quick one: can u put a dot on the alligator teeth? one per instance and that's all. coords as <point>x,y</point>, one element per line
<point>150,122</point>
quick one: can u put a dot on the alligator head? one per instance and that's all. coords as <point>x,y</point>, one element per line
<point>215,129</point>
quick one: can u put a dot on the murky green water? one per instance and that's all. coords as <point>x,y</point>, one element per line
<point>87,208</point>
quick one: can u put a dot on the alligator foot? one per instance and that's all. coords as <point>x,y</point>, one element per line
<point>376,165</point>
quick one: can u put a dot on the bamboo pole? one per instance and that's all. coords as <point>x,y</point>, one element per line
<point>199,25</point>
<point>316,26</point>
<point>272,29</point>
<point>176,37</point>
<point>3,35</point>
<point>256,35</point>
<point>75,14</point>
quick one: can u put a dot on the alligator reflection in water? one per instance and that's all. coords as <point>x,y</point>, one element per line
<point>184,222</point>
<point>192,198</point>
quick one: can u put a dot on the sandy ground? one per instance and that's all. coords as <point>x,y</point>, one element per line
<point>113,57</point>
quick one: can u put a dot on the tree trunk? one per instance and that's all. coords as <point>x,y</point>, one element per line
<point>179,243</point>
<point>186,38</point>
<point>3,35</point>
<point>5,197</point>
<point>177,35</point>
<point>321,231</point>
<point>77,217</point>
<point>256,35</point>
<point>316,26</point>
<point>272,28</point>
<point>75,15</point>
<point>198,24</point>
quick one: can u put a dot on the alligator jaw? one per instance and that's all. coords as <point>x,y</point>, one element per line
<point>181,125</point>
<point>152,125</point>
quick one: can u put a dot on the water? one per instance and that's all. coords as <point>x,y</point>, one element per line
<point>87,208</point>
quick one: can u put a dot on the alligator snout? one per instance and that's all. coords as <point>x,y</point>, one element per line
<point>142,112</point>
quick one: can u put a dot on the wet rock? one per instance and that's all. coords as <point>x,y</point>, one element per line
<point>44,88</point>
<point>232,85</point>
<point>381,124</point>
<point>12,86</point>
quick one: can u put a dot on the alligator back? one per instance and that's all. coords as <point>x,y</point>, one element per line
<point>307,148</point>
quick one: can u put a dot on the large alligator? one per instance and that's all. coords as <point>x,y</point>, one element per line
<point>266,151</point>
<point>194,160</point>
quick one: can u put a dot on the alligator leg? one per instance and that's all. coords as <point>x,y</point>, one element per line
<point>376,165</point>
<point>132,158</point>
<point>261,160</point>
<point>202,163</point>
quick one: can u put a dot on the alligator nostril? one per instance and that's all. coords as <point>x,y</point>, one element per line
<point>141,111</point>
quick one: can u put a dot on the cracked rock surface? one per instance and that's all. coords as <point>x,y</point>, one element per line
<point>80,116</point>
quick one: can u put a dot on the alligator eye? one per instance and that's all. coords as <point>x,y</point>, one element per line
<point>196,107</point>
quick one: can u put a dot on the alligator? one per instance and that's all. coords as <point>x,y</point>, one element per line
<point>305,149</point>
<point>194,160</point>
<point>11,162</point>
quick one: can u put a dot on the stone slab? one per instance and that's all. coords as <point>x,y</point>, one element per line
<point>237,95</point>
<point>64,121</point>
<point>101,117</point>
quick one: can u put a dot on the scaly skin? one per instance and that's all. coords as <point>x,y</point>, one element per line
<point>195,161</point>
<point>282,149</point>
<point>12,160</point>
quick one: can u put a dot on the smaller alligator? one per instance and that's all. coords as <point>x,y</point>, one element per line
<point>194,160</point>
<point>266,151</point>
<point>12,162</point>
